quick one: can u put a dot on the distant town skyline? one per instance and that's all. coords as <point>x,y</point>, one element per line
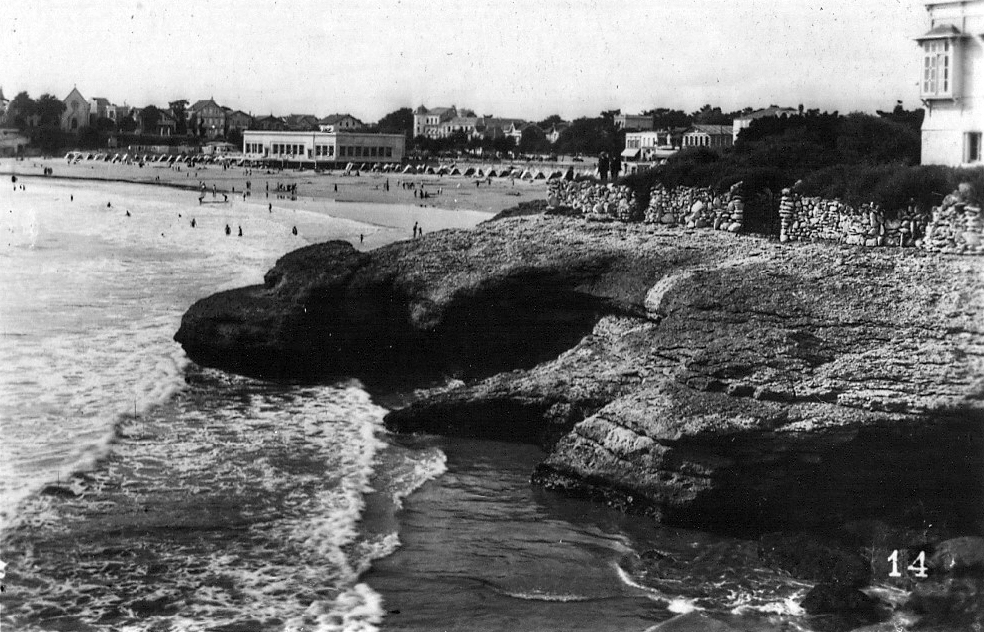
<point>568,57</point>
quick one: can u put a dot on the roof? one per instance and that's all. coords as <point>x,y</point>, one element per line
<point>74,91</point>
<point>772,110</point>
<point>941,31</point>
<point>331,119</point>
<point>712,130</point>
<point>202,104</point>
<point>101,102</point>
<point>440,110</point>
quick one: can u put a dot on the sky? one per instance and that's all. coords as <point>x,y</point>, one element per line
<point>511,58</point>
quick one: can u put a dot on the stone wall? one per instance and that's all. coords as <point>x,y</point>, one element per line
<point>816,219</point>
<point>595,201</point>
<point>696,207</point>
<point>955,227</point>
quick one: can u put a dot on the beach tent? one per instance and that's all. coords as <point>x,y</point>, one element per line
<point>470,171</point>
<point>455,171</point>
<point>407,169</point>
<point>430,171</point>
<point>526,175</point>
<point>539,175</point>
<point>491,173</point>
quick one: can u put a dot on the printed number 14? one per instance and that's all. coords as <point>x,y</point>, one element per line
<point>918,567</point>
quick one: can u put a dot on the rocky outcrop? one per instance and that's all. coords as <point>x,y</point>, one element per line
<point>723,383</point>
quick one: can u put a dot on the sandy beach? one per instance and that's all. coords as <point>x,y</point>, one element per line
<point>444,192</point>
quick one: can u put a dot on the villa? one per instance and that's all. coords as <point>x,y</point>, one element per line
<point>952,83</point>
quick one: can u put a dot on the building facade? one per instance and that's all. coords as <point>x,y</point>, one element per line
<point>76,114</point>
<point>429,121</point>
<point>339,123</point>
<point>648,146</point>
<point>951,84</point>
<point>641,122</point>
<point>208,118</point>
<point>714,136</point>
<point>323,147</point>
<point>12,142</point>
<point>237,120</point>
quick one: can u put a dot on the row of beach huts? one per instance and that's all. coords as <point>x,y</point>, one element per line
<point>467,171</point>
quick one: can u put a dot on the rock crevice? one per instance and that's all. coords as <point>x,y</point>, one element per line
<point>709,381</point>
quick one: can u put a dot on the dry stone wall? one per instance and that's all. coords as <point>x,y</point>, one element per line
<point>816,219</point>
<point>954,227</point>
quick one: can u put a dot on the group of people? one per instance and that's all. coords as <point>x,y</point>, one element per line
<point>609,165</point>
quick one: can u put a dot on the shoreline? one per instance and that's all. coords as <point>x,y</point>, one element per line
<point>452,193</point>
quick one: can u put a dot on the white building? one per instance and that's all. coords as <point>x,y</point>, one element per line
<point>708,136</point>
<point>952,83</point>
<point>323,147</point>
<point>76,114</point>
<point>641,122</point>
<point>648,146</point>
<point>745,121</point>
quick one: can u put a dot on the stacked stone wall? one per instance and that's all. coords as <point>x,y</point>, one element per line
<point>696,207</point>
<point>595,201</point>
<point>954,227</point>
<point>816,219</point>
<point>957,226</point>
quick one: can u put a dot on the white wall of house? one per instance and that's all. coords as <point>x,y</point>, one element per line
<point>323,147</point>
<point>952,83</point>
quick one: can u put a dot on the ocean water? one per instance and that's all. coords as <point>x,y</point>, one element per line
<point>141,492</point>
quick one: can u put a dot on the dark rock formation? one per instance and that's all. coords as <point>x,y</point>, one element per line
<point>707,380</point>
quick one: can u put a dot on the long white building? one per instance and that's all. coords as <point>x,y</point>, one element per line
<point>952,83</point>
<point>323,147</point>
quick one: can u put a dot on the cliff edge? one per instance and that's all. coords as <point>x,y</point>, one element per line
<point>724,383</point>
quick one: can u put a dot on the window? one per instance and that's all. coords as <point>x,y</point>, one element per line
<point>972,147</point>
<point>937,79</point>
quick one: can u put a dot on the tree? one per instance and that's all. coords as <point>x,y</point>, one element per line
<point>912,119</point>
<point>550,121</point>
<point>178,109</point>
<point>49,111</point>
<point>149,116</point>
<point>664,118</point>
<point>104,124</point>
<point>128,123</point>
<point>397,122</point>
<point>235,137</point>
<point>533,141</point>
<point>20,110</point>
<point>709,115</point>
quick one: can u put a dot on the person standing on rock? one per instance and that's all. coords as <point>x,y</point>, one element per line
<point>615,167</point>
<point>603,166</point>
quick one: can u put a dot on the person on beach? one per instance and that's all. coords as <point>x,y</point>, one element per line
<point>225,198</point>
<point>294,230</point>
<point>193,222</point>
<point>128,213</point>
<point>603,166</point>
<point>228,230</point>
<point>362,238</point>
<point>270,207</point>
<point>240,231</point>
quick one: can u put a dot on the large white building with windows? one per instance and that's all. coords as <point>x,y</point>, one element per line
<point>952,83</point>
<point>323,147</point>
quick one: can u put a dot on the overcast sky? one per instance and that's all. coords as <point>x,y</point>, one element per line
<point>522,58</point>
